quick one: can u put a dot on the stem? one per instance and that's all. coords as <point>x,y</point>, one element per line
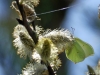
<point>31,33</point>
<point>51,72</point>
<point>25,23</point>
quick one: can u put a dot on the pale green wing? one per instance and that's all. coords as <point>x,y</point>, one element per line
<point>76,53</point>
<point>79,51</point>
<point>86,47</point>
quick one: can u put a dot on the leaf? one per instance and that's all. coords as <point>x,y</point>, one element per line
<point>79,51</point>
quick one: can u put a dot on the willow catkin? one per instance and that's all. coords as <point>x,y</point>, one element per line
<point>62,39</point>
<point>35,69</point>
<point>22,41</point>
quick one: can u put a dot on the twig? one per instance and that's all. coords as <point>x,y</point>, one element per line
<point>31,33</point>
<point>50,70</point>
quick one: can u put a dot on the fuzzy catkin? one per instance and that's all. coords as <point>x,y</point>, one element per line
<point>33,2</point>
<point>62,39</point>
<point>28,8</point>
<point>44,49</point>
<point>35,69</point>
<point>22,41</point>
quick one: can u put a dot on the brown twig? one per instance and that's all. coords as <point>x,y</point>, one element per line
<point>25,23</point>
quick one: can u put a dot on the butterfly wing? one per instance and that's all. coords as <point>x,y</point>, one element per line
<point>85,46</point>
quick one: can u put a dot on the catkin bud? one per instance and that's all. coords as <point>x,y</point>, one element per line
<point>28,8</point>
<point>35,69</point>
<point>62,39</point>
<point>33,2</point>
<point>23,41</point>
<point>44,49</point>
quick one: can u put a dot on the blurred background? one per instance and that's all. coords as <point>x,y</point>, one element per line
<point>83,17</point>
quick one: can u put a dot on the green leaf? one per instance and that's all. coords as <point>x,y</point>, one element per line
<point>79,51</point>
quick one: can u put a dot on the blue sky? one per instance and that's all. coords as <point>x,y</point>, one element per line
<point>82,24</point>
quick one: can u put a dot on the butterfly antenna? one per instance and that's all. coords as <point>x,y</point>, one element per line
<point>73,29</point>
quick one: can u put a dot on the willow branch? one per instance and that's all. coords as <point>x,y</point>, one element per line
<point>25,23</point>
<point>31,33</point>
